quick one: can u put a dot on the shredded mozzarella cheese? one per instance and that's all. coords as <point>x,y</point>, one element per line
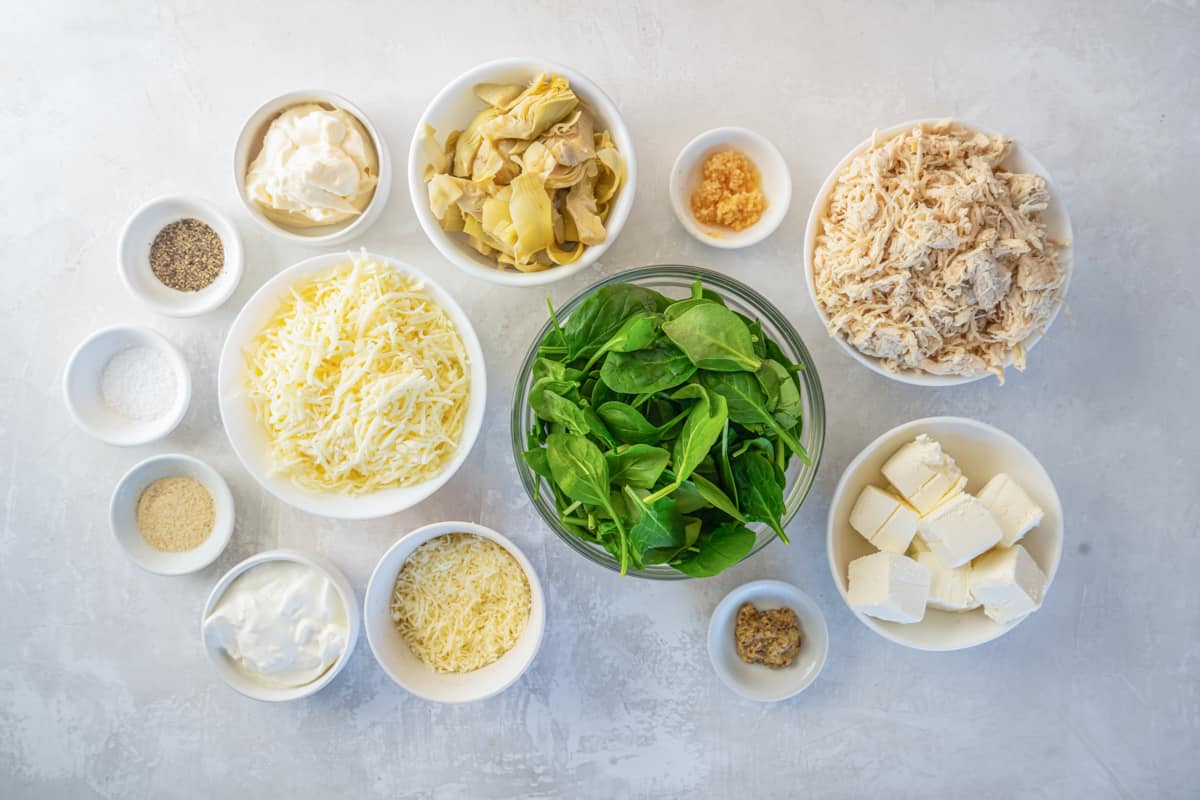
<point>461,601</point>
<point>361,381</point>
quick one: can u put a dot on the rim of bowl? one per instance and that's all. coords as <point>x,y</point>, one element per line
<point>318,502</point>
<point>192,304</point>
<point>689,159</point>
<point>725,610</point>
<point>345,590</point>
<point>454,252</point>
<point>249,141</point>
<point>821,202</point>
<point>184,562</point>
<point>183,377</point>
<point>813,394</point>
<point>872,448</point>
<point>413,540</point>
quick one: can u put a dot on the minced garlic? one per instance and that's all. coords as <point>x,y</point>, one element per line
<point>730,191</point>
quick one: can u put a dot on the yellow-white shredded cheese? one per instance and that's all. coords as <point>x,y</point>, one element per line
<point>361,381</point>
<point>461,602</point>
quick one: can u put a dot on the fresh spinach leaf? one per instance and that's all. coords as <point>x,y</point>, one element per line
<point>714,338</point>
<point>636,333</point>
<point>637,465</point>
<point>602,314</point>
<point>700,432</point>
<point>553,407</point>
<point>659,531</point>
<point>760,493</point>
<point>657,368</point>
<point>747,404</point>
<point>581,472</point>
<point>628,424</point>
<point>712,494</point>
<point>717,550</point>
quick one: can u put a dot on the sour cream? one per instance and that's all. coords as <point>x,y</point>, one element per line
<point>282,623</point>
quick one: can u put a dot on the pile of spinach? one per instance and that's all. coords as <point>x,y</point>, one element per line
<point>664,426</point>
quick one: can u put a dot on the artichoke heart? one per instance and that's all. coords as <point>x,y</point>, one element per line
<point>530,181</point>
<point>547,101</point>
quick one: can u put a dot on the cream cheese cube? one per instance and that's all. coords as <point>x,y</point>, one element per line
<point>888,586</point>
<point>959,530</point>
<point>923,474</point>
<point>1008,582</point>
<point>1016,514</point>
<point>949,588</point>
<point>884,520</point>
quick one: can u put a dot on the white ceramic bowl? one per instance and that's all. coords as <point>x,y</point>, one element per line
<point>81,386</point>
<point>247,686</point>
<point>122,514</point>
<point>453,109</point>
<point>250,441</point>
<point>133,256</point>
<point>981,451</point>
<point>249,144</point>
<point>1058,226</point>
<point>405,668</point>
<point>776,185</point>
<point>754,681</point>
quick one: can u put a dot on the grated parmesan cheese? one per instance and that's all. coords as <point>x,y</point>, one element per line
<point>933,258</point>
<point>461,601</point>
<point>361,381</point>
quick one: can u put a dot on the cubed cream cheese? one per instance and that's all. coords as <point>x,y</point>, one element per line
<point>923,474</point>
<point>883,519</point>
<point>949,588</point>
<point>1016,514</point>
<point>959,530</point>
<point>889,586</point>
<point>1008,582</point>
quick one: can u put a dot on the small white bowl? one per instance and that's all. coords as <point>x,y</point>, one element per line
<point>1058,226</point>
<point>249,144</point>
<point>243,683</point>
<point>250,441</point>
<point>453,109</point>
<point>405,668</point>
<point>754,681</point>
<point>981,451</point>
<point>81,386</point>
<point>122,514</point>
<point>776,185</point>
<point>133,256</point>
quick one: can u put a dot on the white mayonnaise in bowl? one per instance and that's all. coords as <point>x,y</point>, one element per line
<point>272,636</point>
<point>250,144</point>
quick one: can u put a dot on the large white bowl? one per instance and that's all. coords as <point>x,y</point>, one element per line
<point>1058,226</point>
<point>453,109</point>
<point>237,679</point>
<point>981,451</point>
<point>249,143</point>
<point>249,440</point>
<point>399,661</point>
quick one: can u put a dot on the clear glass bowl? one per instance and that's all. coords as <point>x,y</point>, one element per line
<point>676,281</point>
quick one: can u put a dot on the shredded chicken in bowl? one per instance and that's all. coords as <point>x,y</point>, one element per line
<point>933,258</point>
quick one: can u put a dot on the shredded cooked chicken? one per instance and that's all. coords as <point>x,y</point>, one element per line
<point>933,258</point>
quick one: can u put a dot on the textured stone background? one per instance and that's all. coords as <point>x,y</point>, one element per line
<point>104,691</point>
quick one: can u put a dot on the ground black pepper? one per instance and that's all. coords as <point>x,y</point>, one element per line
<point>187,255</point>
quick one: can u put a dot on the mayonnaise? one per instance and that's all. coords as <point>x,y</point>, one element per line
<point>317,166</point>
<point>281,622</point>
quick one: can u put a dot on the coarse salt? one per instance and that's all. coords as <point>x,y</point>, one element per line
<point>138,383</point>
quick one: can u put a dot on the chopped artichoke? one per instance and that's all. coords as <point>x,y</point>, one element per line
<point>530,181</point>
